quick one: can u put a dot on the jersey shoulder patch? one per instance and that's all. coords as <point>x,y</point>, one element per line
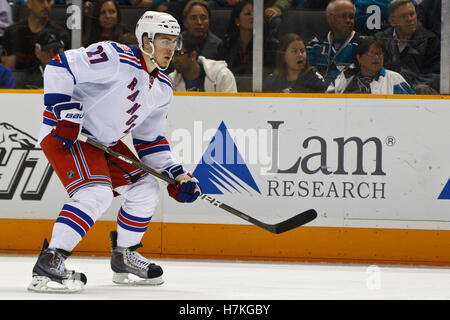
<point>121,48</point>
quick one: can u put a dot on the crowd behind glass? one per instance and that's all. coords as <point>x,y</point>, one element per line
<point>355,46</point>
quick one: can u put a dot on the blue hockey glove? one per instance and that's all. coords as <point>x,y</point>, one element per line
<point>187,189</point>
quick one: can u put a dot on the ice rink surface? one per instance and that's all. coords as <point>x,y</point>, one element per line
<point>238,280</point>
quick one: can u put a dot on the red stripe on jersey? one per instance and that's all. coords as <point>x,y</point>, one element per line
<point>124,56</point>
<point>76,219</point>
<point>133,223</point>
<point>157,143</point>
<point>49,115</point>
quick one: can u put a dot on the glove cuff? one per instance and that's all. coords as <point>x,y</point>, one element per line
<point>174,171</point>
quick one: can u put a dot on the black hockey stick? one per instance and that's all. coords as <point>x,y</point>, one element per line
<point>286,225</point>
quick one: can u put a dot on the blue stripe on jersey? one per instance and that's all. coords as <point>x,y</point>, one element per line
<point>131,63</point>
<point>49,122</point>
<point>138,141</point>
<point>135,51</point>
<point>71,224</point>
<point>152,150</point>
<point>62,63</point>
<point>132,223</point>
<point>54,98</point>
<point>79,213</point>
<point>134,218</point>
<point>165,81</point>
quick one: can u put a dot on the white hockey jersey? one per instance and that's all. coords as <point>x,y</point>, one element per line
<point>118,96</point>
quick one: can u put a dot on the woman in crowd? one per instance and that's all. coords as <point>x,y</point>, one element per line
<point>238,44</point>
<point>370,76</point>
<point>104,23</point>
<point>292,71</point>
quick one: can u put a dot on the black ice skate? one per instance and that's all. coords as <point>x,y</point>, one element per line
<point>51,275</point>
<point>129,267</point>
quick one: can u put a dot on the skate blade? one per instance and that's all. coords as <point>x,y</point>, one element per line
<point>133,280</point>
<point>43,284</point>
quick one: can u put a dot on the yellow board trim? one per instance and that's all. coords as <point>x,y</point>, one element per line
<point>244,242</point>
<point>277,95</point>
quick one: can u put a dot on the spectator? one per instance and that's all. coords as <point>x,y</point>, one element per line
<point>371,15</point>
<point>221,4</point>
<point>104,24</point>
<point>175,8</point>
<point>312,4</point>
<point>140,3</point>
<point>273,10</point>
<point>292,71</point>
<point>239,39</point>
<point>196,73</point>
<point>429,14</point>
<point>413,51</point>
<point>6,78</point>
<point>336,50</point>
<point>196,20</point>
<point>48,45</point>
<point>5,20</point>
<point>20,37</point>
<point>370,76</point>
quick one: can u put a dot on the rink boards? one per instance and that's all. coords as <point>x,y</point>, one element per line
<point>375,168</point>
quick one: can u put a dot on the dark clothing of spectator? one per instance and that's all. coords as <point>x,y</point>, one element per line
<point>419,61</point>
<point>175,8</point>
<point>313,4</point>
<point>211,47</point>
<point>429,13</point>
<point>19,40</point>
<point>239,60</point>
<point>33,78</point>
<point>308,82</point>
<point>6,78</point>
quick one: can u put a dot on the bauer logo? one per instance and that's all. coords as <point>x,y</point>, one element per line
<point>222,168</point>
<point>21,161</point>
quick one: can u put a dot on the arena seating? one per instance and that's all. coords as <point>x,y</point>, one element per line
<point>306,23</point>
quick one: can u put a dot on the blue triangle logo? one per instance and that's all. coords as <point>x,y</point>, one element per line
<point>445,193</point>
<point>222,167</point>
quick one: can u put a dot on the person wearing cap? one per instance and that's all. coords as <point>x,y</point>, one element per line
<point>48,45</point>
<point>196,73</point>
<point>20,38</point>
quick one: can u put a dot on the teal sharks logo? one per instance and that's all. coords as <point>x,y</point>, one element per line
<point>222,168</point>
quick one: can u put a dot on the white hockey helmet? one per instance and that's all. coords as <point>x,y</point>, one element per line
<point>152,23</point>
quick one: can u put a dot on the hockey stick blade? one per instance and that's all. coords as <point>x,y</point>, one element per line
<point>289,224</point>
<point>294,222</point>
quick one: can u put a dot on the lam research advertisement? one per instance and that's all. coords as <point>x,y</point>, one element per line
<point>358,162</point>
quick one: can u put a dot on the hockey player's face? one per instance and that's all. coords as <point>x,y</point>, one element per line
<point>165,46</point>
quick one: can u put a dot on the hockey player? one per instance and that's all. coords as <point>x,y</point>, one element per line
<point>106,91</point>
